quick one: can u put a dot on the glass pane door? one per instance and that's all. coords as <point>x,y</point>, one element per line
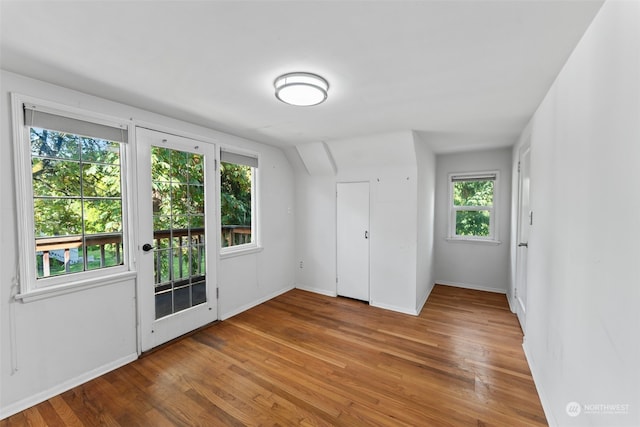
<point>176,222</point>
<point>177,182</point>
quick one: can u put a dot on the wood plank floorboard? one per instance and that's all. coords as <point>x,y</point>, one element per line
<point>304,359</point>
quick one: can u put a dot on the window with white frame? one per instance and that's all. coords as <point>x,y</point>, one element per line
<point>70,181</point>
<point>472,200</point>
<point>237,199</point>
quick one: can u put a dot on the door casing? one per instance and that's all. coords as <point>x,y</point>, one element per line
<point>154,332</point>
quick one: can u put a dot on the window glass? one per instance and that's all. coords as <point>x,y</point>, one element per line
<point>473,193</point>
<point>472,206</point>
<point>236,204</point>
<point>472,223</point>
<point>77,202</point>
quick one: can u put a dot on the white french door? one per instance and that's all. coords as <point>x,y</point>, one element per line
<point>176,220</point>
<point>353,240</point>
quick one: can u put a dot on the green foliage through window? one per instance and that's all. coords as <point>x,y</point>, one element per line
<point>77,202</point>
<point>178,203</point>
<point>235,203</point>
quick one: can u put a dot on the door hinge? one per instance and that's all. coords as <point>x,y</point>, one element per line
<point>518,167</point>
<point>215,164</point>
<point>336,279</point>
<point>217,293</point>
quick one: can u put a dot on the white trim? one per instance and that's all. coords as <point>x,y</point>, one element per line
<point>264,299</point>
<point>420,306</point>
<point>156,127</point>
<point>397,309</point>
<point>40,397</point>
<point>239,250</point>
<point>473,240</point>
<point>544,400</point>
<point>24,218</point>
<point>471,286</point>
<point>512,308</point>
<point>78,285</point>
<point>316,290</point>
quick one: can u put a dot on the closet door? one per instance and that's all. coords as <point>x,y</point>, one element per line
<point>353,240</point>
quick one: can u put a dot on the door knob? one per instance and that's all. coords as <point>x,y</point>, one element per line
<point>523,245</point>
<point>147,247</point>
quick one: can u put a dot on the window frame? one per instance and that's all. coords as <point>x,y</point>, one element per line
<point>30,286</point>
<point>254,245</point>
<point>453,209</point>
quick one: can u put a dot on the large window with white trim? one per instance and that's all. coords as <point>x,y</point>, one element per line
<point>237,200</point>
<point>71,174</point>
<point>472,200</point>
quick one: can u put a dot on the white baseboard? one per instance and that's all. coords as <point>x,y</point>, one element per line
<point>317,290</point>
<point>424,300</point>
<point>511,306</point>
<point>544,400</point>
<point>471,286</point>
<point>252,304</point>
<point>403,310</point>
<point>30,401</point>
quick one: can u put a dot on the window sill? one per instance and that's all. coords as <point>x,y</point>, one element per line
<point>473,241</point>
<point>80,285</point>
<point>239,251</point>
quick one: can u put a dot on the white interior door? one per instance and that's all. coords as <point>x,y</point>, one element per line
<point>353,240</point>
<point>525,218</point>
<point>176,267</point>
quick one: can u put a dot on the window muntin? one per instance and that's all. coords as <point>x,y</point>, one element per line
<point>237,200</point>
<point>472,206</point>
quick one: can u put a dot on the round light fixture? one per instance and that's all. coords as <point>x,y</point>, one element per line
<point>301,89</point>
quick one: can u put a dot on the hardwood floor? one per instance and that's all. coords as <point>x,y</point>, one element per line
<point>310,360</point>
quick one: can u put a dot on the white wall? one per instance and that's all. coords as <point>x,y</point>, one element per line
<point>474,265</point>
<point>387,162</point>
<point>50,345</point>
<point>315,228</point>
<point>581,336</point>
<point>398,279</point>
<point>251,279</point>
<point>426,161</point>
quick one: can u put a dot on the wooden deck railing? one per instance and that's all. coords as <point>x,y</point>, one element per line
<point>236,234</point>
<point>67,243</point>
<point>231,235</point>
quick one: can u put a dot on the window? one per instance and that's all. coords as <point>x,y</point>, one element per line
<point>237,199</point>
<point>472,202</point>
<point>71,198</point>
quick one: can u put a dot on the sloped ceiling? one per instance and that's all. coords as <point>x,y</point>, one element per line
<point>466,74</point>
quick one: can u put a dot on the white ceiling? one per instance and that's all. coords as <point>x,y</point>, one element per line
<point>467,74</point>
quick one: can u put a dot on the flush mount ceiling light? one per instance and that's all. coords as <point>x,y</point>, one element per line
<point>302,89</point>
